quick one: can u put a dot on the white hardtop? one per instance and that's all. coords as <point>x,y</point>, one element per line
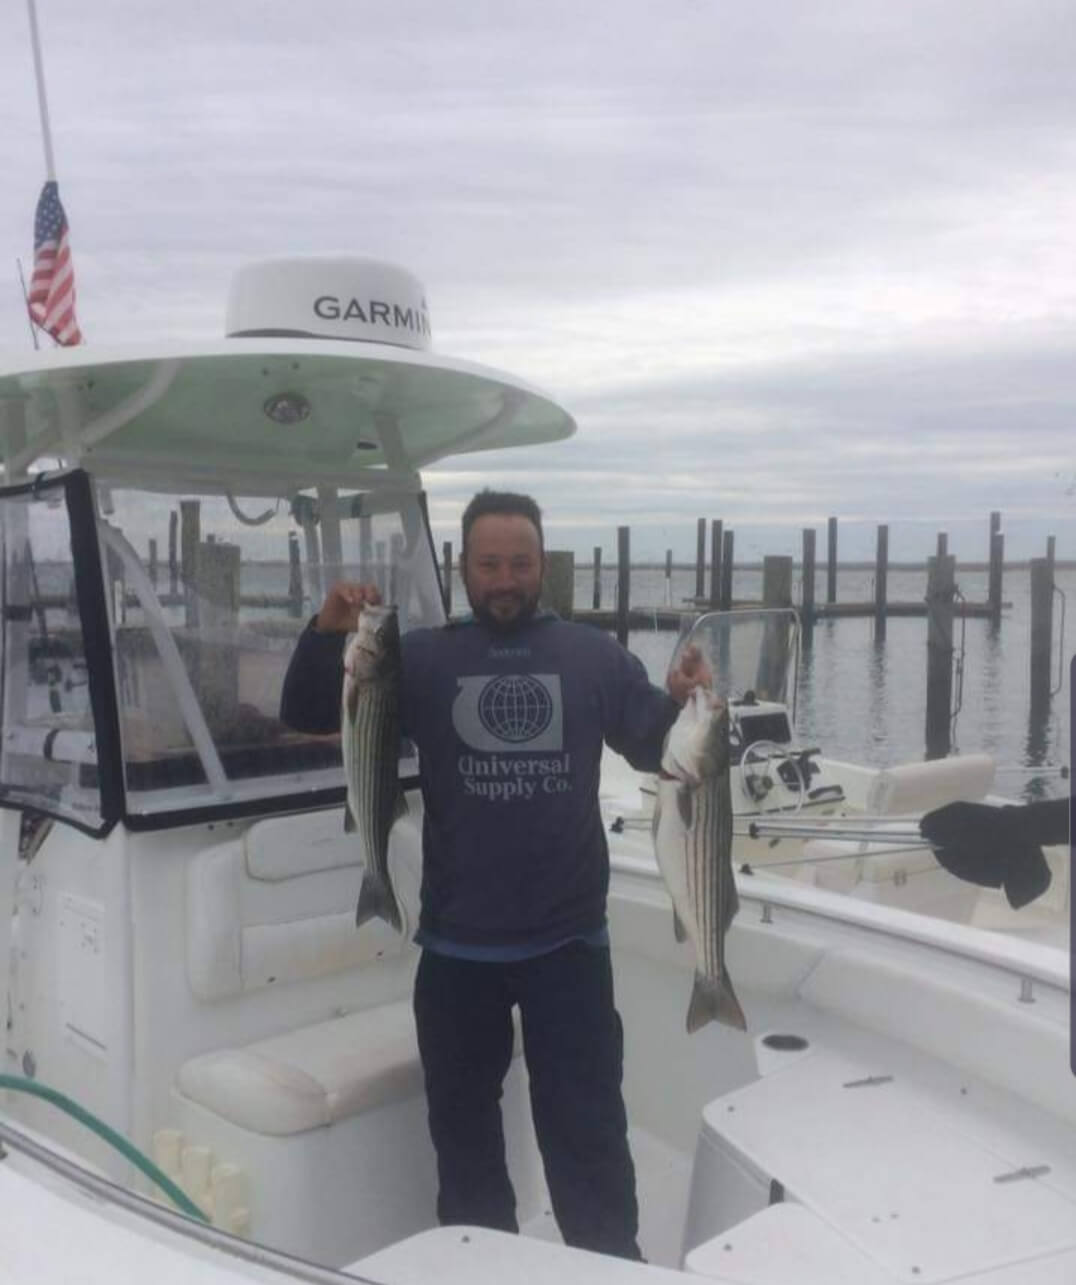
<point>326,378</point>
<point>353,413</point>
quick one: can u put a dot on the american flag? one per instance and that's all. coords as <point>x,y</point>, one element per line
<point>52,287</point>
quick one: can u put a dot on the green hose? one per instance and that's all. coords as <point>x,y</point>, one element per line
<point>114,1139</point>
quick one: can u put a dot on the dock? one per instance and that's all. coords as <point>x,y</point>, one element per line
<point>671,617</point>
<point>941,606</point>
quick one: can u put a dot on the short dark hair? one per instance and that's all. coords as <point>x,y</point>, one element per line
<point>503,504</point>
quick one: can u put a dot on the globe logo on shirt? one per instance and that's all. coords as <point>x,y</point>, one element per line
<point>515,708</point>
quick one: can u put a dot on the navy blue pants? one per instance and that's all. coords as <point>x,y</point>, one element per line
<point>573,1043</point>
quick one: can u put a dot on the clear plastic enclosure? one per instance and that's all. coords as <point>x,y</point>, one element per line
<point>205,596</point>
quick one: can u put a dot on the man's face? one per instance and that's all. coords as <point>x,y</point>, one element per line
<point>502,571</point>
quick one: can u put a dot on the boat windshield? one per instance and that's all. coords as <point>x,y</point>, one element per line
<point>48,737</point>
<point>205,597</point>
<point>748,651</point>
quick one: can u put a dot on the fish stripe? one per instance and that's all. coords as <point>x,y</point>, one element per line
<point>371,759</point>
<point>373,730</point>
<point>693,842</point>
<point>710,884</point>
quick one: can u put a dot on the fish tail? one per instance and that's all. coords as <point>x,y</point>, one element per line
<point>713,999</point>
<point>377,901</point>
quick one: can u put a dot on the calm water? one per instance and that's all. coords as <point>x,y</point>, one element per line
<point>866,701</point>
<point>859,699</point>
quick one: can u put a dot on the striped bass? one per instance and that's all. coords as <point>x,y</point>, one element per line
<point>370,741</point>
<point>692,831</point>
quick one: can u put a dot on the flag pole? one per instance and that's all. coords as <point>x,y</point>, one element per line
<point>26,299</point>
<point>51,301</point>
<point>42,100</point>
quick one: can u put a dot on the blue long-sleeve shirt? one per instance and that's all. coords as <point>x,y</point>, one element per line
<point>509,729</point>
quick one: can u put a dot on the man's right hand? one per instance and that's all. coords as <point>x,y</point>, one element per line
<point>339,612</point>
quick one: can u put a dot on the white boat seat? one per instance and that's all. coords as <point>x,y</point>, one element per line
<point>907,790</point>
<point>312,1076</point>
<point>277,904</point>
<point>915,788</point>
<point>890,1163</point>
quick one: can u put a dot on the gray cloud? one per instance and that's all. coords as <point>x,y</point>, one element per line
<point>779,261</point>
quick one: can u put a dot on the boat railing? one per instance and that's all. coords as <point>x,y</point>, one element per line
<point>131,1201</point>
<point>1025,961</point>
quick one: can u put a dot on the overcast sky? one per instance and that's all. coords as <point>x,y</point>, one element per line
<point>780,260</point>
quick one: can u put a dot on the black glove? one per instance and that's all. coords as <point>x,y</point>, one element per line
<point>989,846</point>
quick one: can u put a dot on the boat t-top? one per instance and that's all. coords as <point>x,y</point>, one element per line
<point>210,1073</point>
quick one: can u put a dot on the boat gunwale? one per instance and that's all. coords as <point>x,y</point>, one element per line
<point>1024,960</point>
<point>87,1180</point>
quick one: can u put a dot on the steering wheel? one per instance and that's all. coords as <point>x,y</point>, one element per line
<point>758,765</point>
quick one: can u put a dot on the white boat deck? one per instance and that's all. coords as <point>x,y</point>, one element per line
<point>889,1150</point>
<point>881,1142</point>
<point>927,1132</point>
<point>880,1151</point>
<point>663,1186</point>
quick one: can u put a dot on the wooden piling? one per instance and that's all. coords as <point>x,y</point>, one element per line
<point>941,591</point>
<point>295,577</point>
<point>881,574</point>
<point>776,581</point>
<point>117,588</point>
<point>380,567</point>
<point>153,562</point>
<point>446,575</point>
<point>332,548</point>
<point>217,667</point>
<point>668,578</point>
<point>218,564</point>
<point>726,570</point>
<point>396,548</point>
<point>700,559</point>
<point>716,529</point>
<point>773,653</point>
<point>558,585</point>
<point>623,582</point>
<point>1042,627</point>
<point>173,567</point>
<point>190,516</point>
<point>943,544</point>
<point>807,594</point>
<point>597,598</point>
<point>366,549</point>
<point>831,560</point>
<point>997,563</point>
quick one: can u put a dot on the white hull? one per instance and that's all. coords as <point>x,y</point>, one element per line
<point>902,873</point>
<point>177,943</point>
<point>966,1030</point>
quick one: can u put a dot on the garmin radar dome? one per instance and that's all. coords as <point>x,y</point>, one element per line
<point>358,299</point>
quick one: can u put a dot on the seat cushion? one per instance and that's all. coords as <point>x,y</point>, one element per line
<point>311,1076</point>
<point>920,787</point>
<point>278,905</point>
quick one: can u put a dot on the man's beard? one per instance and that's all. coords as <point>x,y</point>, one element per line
<point>528,606</point>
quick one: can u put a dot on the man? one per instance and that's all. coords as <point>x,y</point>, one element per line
<point>509,710</point>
